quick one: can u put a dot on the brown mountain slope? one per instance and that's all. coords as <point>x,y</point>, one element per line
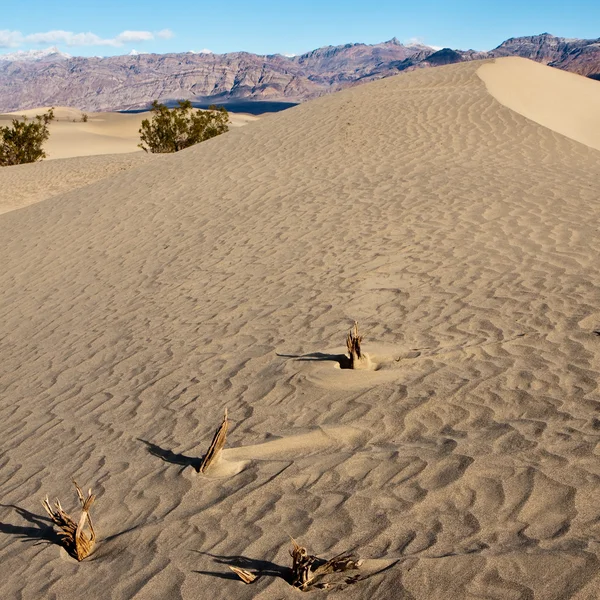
<point>123,82</point>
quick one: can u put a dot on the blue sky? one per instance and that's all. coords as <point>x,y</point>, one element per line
<point>268,26</point>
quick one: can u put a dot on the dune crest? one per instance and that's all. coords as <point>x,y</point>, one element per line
<point>561,101</point>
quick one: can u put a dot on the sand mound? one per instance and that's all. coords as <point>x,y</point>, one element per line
<point>460,235</point>
<point>564,102</point>
<point>22,185</point>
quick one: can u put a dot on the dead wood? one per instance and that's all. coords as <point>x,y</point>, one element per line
<point>216,446</point>
<point>309,570</point>
<point>358,359</point>
<point>75,540</point>
<point>245,575</point>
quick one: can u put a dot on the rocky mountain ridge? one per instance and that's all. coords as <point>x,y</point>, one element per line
<point>133,81</point>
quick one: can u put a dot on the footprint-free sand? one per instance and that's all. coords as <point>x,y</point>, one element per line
<point>456,224</point>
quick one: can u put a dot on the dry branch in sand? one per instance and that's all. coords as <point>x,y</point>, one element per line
<point>358,359</point>
<point>245,575</point>
<point>75,540</point>
<point>216,446</point>
<point>310,572</point>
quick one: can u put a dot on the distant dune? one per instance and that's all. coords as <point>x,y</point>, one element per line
<point>103,133</point>
<point>99,142</point>
<point>453,213</point>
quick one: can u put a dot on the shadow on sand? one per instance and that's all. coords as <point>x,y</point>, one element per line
<point>264,567</point>
<point>40,532</point>
<point>341,359</point>
<point>171,457</point>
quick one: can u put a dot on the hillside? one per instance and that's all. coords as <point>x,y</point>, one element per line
<point>461,235</point>
<point>129,82</point>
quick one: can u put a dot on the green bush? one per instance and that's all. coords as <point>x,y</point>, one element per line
<point>181,127</point>
<point>22,142</point>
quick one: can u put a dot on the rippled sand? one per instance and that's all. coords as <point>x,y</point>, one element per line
<point>462,235</point>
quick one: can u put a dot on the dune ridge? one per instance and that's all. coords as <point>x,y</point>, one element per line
<point>564,102</point>
<point>460,234</point>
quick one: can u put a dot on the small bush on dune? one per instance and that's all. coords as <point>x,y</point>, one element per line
<point>171,130</point>
<point>22,142</point>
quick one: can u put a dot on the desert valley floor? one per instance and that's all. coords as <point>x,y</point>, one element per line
<point>453,212</point>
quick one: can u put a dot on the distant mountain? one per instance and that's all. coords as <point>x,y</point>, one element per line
<point>52,53</point>
<point>577,56</point>
<point>49,77</point>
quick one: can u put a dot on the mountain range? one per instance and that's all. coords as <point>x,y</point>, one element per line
<point>50,77</point>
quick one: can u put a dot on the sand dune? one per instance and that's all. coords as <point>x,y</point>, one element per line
<point>22,185</point>
<point>460,234</point>
<point>561,101</point>
<point>103,133</point>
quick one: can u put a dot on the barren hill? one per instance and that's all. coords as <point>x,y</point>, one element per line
<point>461,235</point>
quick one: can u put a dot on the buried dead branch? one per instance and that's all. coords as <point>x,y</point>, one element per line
<point>216,446</point>
<point>309,571</point>
<point>358,358</point>
<point>75,540</point>
<point>245,575</point>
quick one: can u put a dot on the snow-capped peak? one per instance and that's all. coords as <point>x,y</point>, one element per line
<point>32,55</point>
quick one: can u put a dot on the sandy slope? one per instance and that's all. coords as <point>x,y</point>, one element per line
<point>22,185</point>
<point>460,234</point>
<point>103,133</point>
<point>561,101</point>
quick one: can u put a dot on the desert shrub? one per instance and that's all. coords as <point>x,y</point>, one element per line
<point>22,142</point>
<point>171,130</point>
<point>84,118</point>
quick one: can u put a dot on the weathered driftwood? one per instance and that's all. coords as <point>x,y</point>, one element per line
<point>216,446</point>
<point>309,570</point>
<point>75,540</point>
<point>245,575</point>
<point>358,359</point>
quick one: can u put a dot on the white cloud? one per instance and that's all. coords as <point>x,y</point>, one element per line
<point>134,36</point>
<point>203,51</point>
<point>14,39</point>
<point>66,37</point>
<point>10,39</point>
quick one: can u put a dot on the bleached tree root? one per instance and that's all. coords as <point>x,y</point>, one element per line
<point>309,571</point>
<point>76,541</point>
<point>358,358</point>
<point>216,446</point>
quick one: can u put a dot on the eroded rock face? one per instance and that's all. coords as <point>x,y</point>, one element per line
<point>125,82</point>
<point>128,82</point>
<point>577,56</point>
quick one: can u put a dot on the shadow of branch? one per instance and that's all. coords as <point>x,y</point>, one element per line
<point>341,359</point>
<point>266,568</point>
<point>42,530</point>
<point>172,457</point>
